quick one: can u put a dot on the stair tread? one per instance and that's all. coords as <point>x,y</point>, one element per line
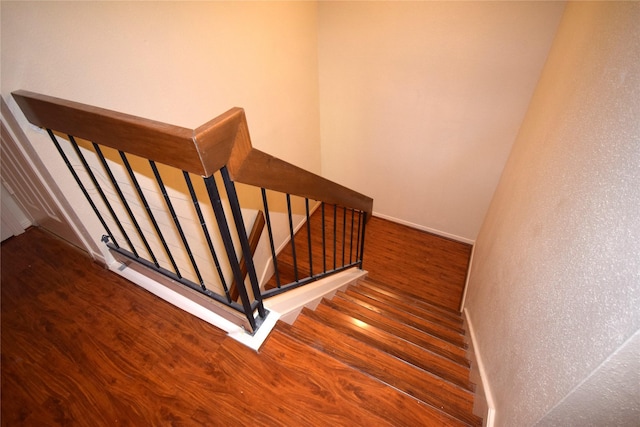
<point>300,397</point>
<point>414,354</point>
<point>390,291</point>
<point>388,369</point>
<point>404,331</point>
<point>411,306</point>
<point>429,326</point>
<point>384,403</point>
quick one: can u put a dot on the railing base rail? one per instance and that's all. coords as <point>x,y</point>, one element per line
<point>222,310</point>
<point>233,323</point>
<point>285,288</point>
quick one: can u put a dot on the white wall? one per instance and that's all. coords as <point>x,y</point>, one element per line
<point>414,103</point>
<point>421,101</point>
<point>177,62</point>
<point>554,289</point>
<point>14,221</point>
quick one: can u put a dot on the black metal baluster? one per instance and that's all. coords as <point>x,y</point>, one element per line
<point>309,236</point>
<point>244,240</point>
<point>364,223</point>
<point>270,231</point>
<point>76,147</point>
<point>124,202</point>
<point>359,237</point>
<point>335,235</point>
<point>324,242</point>
<point>344,232</point>
<point>293,242</point>
<point>147,208</point>
<point>205,231</point>
<point>176,222</point>
<point>351,237</point>
<point>83,188</point>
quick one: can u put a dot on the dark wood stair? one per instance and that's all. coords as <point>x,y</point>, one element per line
<point>116,352</point>
<point>413,348</point>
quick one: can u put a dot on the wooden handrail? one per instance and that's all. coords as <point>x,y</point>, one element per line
<point>222,141</point>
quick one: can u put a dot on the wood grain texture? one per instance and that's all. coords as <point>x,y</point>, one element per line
<point>164,143</point>
<point>394,345</point>
<point>412,307</point>
<point>223,141</point>
<point>82,346</point>
<point>428,267</point>
<point>399,332</point>
<point>390,370</point>
<point>449,316</point>
<point>263,170</point>
<point>415,321</point>
<point>402,330</point>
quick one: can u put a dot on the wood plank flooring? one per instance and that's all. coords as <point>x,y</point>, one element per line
<point>424,265</point>
<point>81,346</point>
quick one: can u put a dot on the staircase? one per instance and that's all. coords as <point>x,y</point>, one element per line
<point>415,348</point>
<point>392,357</point>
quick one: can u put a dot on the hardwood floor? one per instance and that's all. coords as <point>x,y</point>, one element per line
<point>429,267</point>
<point>424,265</point>
<point>82,346</point>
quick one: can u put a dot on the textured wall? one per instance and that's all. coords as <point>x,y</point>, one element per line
<point>554,289</point>
<point>420,102</point>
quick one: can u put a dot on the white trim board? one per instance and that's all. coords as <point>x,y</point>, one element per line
<point>466,280</point>
<point>483,403</point>
<point>423,228</point>
<point>289,304</point>
<point>195,305</point>
<point>286,306</point>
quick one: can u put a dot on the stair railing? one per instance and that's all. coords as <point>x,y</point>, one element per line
<point>137,176</point>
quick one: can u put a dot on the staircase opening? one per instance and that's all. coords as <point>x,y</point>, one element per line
<point>181,204</point>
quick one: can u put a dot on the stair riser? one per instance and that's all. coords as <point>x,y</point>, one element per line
<point>453,316</point>
<point>431,316</point>
<point>413,335</point>
<point>387,369</point>
<point>426,326</point>
<point>408,352</point>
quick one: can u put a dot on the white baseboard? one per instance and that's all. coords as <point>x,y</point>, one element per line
<point>195,304</point>
<point>423,228</point>
<point>466,280</point>
<point>483,405</point>
<point>284,307</point>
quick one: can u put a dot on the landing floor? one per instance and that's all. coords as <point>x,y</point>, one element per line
<point>82,346</point>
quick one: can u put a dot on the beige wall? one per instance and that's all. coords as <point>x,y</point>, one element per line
<point>178,62</point>
<point>421,101</point>
<point>554,289</point>
<point>414,103</point>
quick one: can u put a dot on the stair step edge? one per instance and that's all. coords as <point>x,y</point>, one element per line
<point>415,386</point>
<point>389,343</point>
<point>415,412</point>
<point>416,336</point>
<point>398,294</point>
<point>454,323</point>
<point>434,327</point>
